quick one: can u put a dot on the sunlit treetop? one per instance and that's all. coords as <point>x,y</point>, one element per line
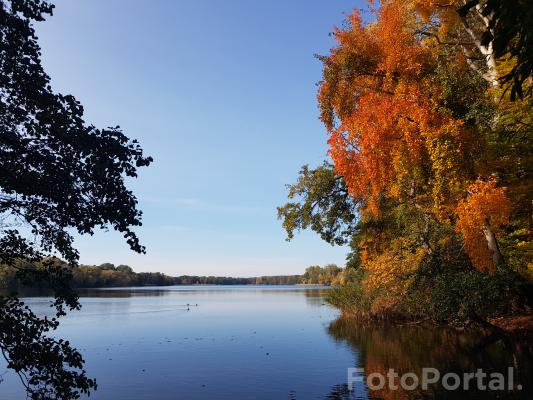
<point>379,101</point>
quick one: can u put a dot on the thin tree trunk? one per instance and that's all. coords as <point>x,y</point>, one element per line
<point>492,243</point>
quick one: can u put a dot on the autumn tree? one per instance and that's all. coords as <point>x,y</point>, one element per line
<point>403,127</point>
<point>429,121</point>
<point>488,207</point>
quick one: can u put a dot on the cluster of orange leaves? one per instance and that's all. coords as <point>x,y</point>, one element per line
<point>389,136</point>
<point>388,123</point>
<point>486,205</point>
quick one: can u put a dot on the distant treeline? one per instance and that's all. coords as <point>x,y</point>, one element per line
<point>109,275</point>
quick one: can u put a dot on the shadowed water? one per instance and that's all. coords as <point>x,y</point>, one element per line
<point>252,342</point>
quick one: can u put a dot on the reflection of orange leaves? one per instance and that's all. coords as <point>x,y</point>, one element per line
<point>486,205</point>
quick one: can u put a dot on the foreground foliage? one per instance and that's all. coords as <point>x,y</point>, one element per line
<point>58,175</point>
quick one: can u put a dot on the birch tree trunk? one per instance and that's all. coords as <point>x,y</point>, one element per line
<point>492,243</point>
<point>487,51</point>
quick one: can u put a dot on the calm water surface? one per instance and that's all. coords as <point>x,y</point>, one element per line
<point>255,342</point>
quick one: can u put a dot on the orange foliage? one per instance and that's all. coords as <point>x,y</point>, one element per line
<point>486,205</point>
<point>395,135</point>
<point>377,101</point>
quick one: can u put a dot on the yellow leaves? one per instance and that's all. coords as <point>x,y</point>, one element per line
<point>486,207</point>
<point>445,11</point>
<point>392,269</point>
<point>383,146</point>
<point>448,149</point>
<point>514,115</point>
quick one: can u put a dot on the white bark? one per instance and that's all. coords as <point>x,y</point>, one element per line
<point>487,51</point>
<point>492,243</point>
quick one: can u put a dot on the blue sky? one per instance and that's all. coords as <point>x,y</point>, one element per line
<point>222,94</point>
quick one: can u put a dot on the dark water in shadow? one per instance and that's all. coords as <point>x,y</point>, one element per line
<point>410,348</point>
<point>255,342</point>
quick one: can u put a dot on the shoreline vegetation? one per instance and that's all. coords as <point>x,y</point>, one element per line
<point>108,275</point>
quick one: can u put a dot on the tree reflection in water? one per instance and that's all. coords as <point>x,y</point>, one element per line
<point>409,348</point>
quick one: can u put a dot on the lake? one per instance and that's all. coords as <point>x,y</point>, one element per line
<point>258,342</point>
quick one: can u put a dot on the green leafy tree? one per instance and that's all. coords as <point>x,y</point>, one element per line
<point>320,201</point>
<point>58,174</point>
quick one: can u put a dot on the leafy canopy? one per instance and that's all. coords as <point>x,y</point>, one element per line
<point>58,174</point>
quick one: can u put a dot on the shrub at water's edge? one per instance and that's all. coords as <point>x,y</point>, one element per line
<point>455,298</point>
